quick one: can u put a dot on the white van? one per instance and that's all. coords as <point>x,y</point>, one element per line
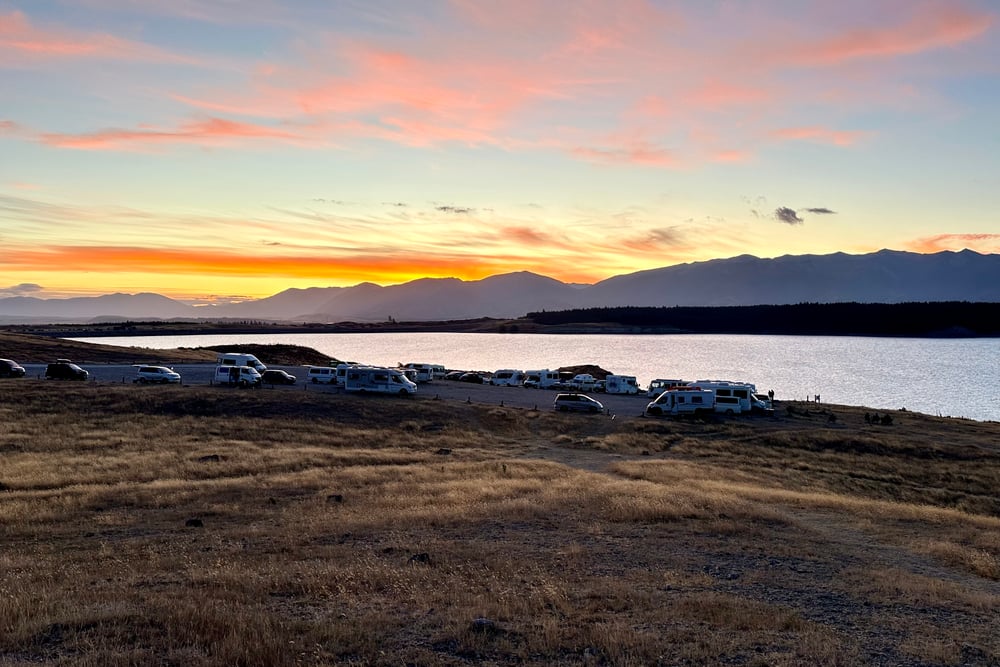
<point>621,384</point>
<point>507,377</point>
<point>364,379</point>
<point>683,401</point>
<point>583,382</point>
<point>540,379</point>
<point>422,372</point>
<point>321,374</point>
<point>239,359</point>
<point>242,376</point>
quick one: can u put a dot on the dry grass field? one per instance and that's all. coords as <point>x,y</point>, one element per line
<point>210,526</point>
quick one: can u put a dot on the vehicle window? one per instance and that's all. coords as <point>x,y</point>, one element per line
<point>395,378</point>
<point>742,393</point>
<point>696,399</point>
<point>380,377</point>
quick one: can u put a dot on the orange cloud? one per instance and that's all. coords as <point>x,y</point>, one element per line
<point>203,132</point>
<point>987,243</point>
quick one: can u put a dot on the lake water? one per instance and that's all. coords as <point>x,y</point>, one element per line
<point>952,377</point>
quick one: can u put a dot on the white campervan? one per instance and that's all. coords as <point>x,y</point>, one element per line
<point>583,382</point>
<point>540,379</point>
<point>321,374</point>
<point>621,384</point>
<point>242,376</point>
<point>240,359</point>
<point>364,379</point>
<point>683,401</point>
<point>507,377</point>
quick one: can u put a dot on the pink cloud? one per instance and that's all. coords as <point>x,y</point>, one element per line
<point>632,152</point>
<point>819,134</point>
<point>204,131</point>
<point>925,30</point>
<point>19,39</point>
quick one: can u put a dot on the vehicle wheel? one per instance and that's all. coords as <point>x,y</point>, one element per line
<point>315,381</point>
<point>594,410</point>
<point>403,392</point>
<point>244,383</point>
<point>655,411</point>
<point>141,380</point>
<point>729,412</point>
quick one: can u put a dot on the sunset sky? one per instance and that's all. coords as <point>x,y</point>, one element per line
<point>215,150</point>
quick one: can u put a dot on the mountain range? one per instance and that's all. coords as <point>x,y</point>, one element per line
<point>886,276</point>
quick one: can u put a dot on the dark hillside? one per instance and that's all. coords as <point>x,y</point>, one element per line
<point>941,319</point>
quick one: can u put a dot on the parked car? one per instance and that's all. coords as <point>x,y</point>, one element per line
<point>64,369</point>
<point>10,369</point>
<point>275,376</point>
<point>156,375</point>
<point>474,378</point>
<point>577,403</point>
<point>454,376</point>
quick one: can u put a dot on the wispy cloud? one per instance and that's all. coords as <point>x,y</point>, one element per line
<point>927,27</point>
<point>819,134</point>
<point>210,131</point>
<point>21,41</point>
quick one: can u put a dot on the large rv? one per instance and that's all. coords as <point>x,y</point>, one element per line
<point>621,384</point>
<point>541,379</point>
<point>682,401</point>
<point>364,379</point>
<point>744,394</point>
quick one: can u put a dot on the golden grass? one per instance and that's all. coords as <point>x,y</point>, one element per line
<point>336,530</point>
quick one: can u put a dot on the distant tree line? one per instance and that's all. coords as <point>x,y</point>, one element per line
<point>935,319</point>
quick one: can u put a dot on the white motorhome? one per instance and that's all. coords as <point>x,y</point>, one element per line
<point>658,386</point>
<point>240,359</point>
<point>341,373</point>
<point>540,379</point>
<point>242,376</point>
<point>364,379</point>
<point>621,384</point>
<point>743,392</point>
<point>321,374</point>
<point>683,401</point>
<point>507,377</point>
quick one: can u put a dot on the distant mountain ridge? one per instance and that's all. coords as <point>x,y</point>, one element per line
<point>886,276</point>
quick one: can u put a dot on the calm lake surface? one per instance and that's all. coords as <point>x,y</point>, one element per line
<point>952,377</point>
